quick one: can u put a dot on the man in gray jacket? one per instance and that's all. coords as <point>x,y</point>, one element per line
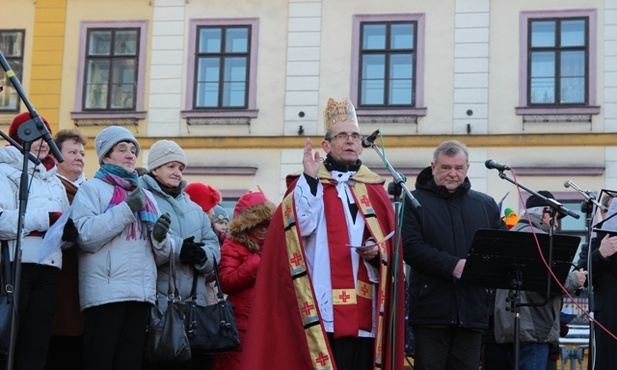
<point>539,323</point>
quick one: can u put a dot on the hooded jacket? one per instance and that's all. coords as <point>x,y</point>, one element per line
<point>435,238</point>
<point>241,254</point>
<point>540,322</point>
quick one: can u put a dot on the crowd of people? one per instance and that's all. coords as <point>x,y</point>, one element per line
<point>316,279</point>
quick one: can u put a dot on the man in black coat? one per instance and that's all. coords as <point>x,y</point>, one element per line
<point>604,279</point>
<point>448,319</point>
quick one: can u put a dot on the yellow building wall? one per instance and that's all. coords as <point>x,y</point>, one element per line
<point>47,57</point>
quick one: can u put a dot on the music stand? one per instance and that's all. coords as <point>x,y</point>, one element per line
<point>496,255</point>
<point>508,260</point>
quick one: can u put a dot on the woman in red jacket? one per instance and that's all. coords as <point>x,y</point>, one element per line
<point>240,256</point>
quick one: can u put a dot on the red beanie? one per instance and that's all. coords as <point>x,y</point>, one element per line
<point>204,195</point>
<point>248,201</point>
<point>19,120</point>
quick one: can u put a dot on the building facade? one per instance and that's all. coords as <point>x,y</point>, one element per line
<point>241,85</point>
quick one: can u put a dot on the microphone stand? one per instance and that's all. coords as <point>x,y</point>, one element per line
<point>28,132</point>
<point>556,209</point>
<point>587,207</point>
<point>395,189</point>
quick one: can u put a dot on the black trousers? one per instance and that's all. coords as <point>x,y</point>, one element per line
<point>114,336</point>
<point>352,353</point>
<point>450,348</point>
<point>38,287</point>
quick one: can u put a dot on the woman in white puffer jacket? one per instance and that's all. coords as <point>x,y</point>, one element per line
<point>38,283</point>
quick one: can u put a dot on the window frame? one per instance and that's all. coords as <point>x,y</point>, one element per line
<point>250,111</point>
<point>138,112</point>
<point>558,51</point>
<point>590,107</point>
<point>111,58</point>
<point>418,109</point>
<point>8,86</point>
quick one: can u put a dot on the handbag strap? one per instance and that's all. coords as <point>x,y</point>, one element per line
<point>172,288</point>
<point>219,294</point>
<point>5,267</point>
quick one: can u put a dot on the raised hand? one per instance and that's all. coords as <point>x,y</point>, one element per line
<point>310,161</point>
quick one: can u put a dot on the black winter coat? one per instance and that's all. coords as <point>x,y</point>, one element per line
<point>435,238</point>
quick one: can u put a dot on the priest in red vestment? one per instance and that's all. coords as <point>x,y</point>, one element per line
<point>329,291</point>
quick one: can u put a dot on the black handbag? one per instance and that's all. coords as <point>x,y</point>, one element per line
<point>6,299</point>
<point>166,339</point>
<point>211,328</point>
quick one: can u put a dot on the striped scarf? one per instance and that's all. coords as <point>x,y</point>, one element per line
<point>124,182</point>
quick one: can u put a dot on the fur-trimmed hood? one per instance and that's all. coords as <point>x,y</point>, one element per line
<point>251,210</point>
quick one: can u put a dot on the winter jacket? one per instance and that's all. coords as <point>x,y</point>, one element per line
<point>238,271</point>
<point>241,253</point>
<point>112,267</point>
<point>435,238</point>
<point>47,194</point>
<point>538,323</point>
<point>187,219</point>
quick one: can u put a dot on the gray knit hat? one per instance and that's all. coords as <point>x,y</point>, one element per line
<point>220,214</point>
<point>165,151</point>
<point>111,136</point>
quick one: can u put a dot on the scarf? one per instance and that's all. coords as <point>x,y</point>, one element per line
<point>124,181</point>
<point>172,191</point>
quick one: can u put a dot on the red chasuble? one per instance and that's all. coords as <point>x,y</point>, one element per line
<point>285,330</point>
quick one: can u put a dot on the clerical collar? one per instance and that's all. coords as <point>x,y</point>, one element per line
<point>332,165</point>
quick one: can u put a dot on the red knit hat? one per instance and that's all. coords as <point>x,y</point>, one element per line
<point>248,201</point>
<point>19,120</point>
<point>204,195</point>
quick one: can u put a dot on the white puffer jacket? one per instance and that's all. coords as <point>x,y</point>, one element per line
<point>112,267</point>
<point>47,194</point>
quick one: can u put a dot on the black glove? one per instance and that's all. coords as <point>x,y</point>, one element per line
<point>191,252</point>
<point>136,200</point>
<point>161,227</point>
<point>70,232</point>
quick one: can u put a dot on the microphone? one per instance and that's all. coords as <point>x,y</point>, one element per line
<point>588,194</point>
<point>368,141</point>
<point>492,165</point>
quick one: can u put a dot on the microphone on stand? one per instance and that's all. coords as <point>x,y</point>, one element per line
<point>493,165</point>
<point>368,141</point>
<point>588,194</point>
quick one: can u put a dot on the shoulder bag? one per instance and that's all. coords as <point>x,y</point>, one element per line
<point>166,340</point>
<point>211,328</point>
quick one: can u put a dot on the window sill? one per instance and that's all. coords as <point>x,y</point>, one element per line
<point>581,114</point>
<point>219,117</point>
<point>107,118</point>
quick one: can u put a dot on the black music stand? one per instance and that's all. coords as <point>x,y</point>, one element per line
<point>509,260</point>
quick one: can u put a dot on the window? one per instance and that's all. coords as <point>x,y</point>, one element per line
<point>111,69</point>
<point>387,80</point>
<point>222,66</point>
<point>111,73</point>
<point>222,71</point>
<point>387,58</point>
<point>557,74</point>
<point>12,47</point>
<point>558,61</point>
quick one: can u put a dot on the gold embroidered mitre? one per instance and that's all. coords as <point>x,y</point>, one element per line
<point>339,111</point>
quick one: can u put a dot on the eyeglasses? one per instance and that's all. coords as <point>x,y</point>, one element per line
<point>345,136</point>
